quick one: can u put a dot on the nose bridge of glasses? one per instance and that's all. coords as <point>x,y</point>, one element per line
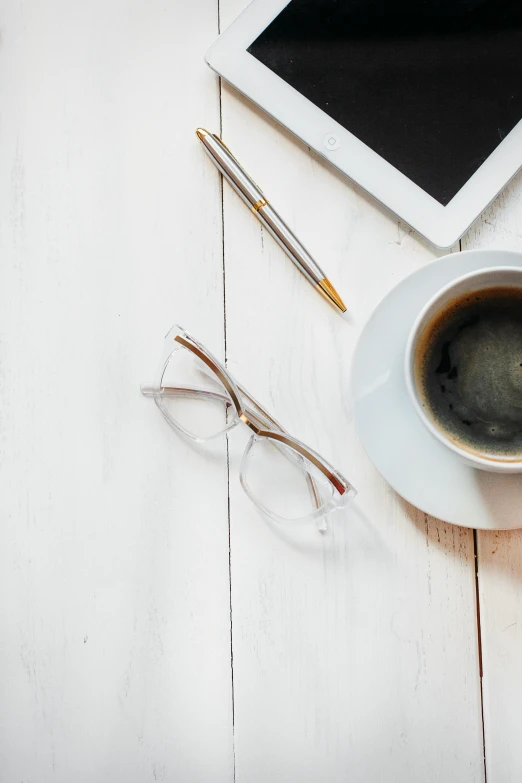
<point>253,426</point>
<point>258,413</point>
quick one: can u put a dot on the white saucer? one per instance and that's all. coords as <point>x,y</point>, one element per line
<point>418,467</point>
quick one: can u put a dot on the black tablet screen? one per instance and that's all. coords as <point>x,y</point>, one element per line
<point>433,86</point>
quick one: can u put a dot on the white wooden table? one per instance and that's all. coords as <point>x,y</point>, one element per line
<point>152,626</point>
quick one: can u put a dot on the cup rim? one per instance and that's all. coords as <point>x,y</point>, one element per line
<point>491,463</point>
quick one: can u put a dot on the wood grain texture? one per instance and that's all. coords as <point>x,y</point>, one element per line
<point>355,654</point>
<point>500,560</point>
<point>114,612</point>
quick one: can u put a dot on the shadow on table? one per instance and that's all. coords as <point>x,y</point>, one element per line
<point>349,530</point>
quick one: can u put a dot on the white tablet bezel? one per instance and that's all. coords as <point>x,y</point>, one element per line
<point>442,226</point>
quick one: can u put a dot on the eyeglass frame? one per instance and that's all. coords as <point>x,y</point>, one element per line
<point>269,428</point>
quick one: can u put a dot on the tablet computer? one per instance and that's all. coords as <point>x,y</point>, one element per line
<point>419,102</point>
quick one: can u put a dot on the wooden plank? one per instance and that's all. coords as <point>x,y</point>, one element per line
<point>500,561</point>
<point>355,654</point>
<point>115,652</point>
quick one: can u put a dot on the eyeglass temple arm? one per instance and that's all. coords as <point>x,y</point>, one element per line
<point>260,418</point>
<point>149,390</point>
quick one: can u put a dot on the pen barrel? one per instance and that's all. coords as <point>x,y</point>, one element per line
<point>235,175</point>
<point>287,240</point>
<point>253,197</point>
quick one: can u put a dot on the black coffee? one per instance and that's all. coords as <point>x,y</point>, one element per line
<point>468,371</point>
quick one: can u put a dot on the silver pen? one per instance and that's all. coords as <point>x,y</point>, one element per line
<point>253,197</point>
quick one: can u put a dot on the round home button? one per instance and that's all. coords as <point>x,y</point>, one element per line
<point>332,142</point>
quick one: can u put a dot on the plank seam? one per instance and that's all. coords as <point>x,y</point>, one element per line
<point>479,634</point>
<point>220,95</point>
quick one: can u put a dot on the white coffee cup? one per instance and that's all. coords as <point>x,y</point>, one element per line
<point>474,282</point>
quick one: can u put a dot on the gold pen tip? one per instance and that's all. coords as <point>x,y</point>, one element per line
<point>331,294</point>
<point>201,133</point>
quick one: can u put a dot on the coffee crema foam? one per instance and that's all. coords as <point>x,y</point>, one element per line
<point>468,372</point>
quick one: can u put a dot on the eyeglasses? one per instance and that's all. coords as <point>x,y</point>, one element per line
<point>197,395</point>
